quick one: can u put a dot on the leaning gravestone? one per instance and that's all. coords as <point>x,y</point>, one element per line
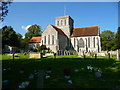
<point>118,55</point>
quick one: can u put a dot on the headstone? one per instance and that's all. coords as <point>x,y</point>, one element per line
<point>98,74</point>
<point>54,55</point>
<point>5,70</point>
<point>5,82</point>
<point>118,55</point>
<point>47,76</point>
<point>24,84</point>
<point>49,70</point>
<point>67,76</point>
<point>95,56</point>
<point>89,68</point>
<point>21,71</point>
<point>31,76</point>
<point>69,81</point>
<point>76,70</point>
<point>109,56</point>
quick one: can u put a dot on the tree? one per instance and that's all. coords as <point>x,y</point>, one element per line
<point>117,39</point>
<point>9,36</point>
<point>34,30</point>
<point>4,9</point>
<point>19,36</point>
<point>42,47</point>
<point>108,40</point>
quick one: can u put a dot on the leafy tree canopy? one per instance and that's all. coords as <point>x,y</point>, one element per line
<point>108,40</point>
<point>34,30</point>
<point>9,36</point>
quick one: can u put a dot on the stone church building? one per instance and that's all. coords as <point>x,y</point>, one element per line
<point>63,36</point>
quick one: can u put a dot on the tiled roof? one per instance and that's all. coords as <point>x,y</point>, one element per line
<point>35,39</point>
<point>85,31</point>
<point>59,30</point>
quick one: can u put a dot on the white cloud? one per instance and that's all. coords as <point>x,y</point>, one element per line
<point>25,27</point>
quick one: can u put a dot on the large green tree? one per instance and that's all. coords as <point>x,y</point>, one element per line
<point>118,39</point>
<point>34,30</point>
<point>9,36</point>
<point>107,40</point>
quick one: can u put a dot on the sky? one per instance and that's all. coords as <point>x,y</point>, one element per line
<point>24,14</point>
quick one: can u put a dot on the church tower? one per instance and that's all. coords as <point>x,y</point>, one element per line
<point>65,23</point>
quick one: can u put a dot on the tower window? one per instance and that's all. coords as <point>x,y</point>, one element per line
<point>61,22</point>
<point>65,22</point>
<point>58,23</point>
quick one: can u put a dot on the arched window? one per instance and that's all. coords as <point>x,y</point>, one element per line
<point>65,22</point>
<point>74,42</point>
<point>53,39</point>
<point>94,42</point>
<point>81,43</point>
<point>61,22</point>
<point>58,23</point>
<point>44,39</point>
<point>89,42</point>
<point>48,39</point>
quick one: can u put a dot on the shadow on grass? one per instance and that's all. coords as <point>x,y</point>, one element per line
<point>109,68</point>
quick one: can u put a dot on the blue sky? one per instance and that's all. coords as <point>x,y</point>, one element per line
<point>22,14</point>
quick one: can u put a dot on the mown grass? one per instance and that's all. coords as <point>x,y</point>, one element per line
<point>83,79</point>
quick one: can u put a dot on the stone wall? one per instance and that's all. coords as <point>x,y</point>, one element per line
<point>75,40</point>
<point>49,32</point>
<point>34,55</point>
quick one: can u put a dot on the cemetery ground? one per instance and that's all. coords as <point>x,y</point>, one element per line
<point>80,76</point>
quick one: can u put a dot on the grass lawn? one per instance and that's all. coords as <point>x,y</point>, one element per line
<point>83,79</point>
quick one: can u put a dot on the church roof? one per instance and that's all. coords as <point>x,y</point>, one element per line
<point>85,31</point>
<point>37,39</point>
<point>59,30</point>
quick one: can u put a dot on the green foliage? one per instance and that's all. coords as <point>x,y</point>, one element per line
<point>117,39</point>
<point>34,30</point>
<point>9,36</point>
<point>107,40</point>
<point>42,47</point>
<point>81,79</point>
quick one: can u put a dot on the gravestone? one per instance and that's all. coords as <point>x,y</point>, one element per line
<point>95,56</point>
<point>69,81</point>
<point>98,74</point>
<point>118,55</point>
<point>76,70</point>
<point>108,56</point>
<point>5,82</point>
<point>24,84</point>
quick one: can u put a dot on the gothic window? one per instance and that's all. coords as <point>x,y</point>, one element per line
<point>53,39</point>
<point>65,22</point>
<point>81,43</point>
<point>74,42</point>
<point>48,39</point>
<point>58,23</point>
<point>44,39</point>
<point>94,42</point>
<point>61,22</point>
<point>89,42</point>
